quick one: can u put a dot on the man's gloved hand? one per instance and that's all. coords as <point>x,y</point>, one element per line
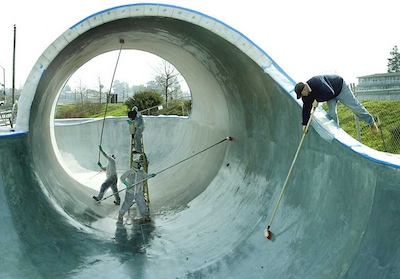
<point>129,122</point>
<point>127,185</point>
<point>305,129</point>
<point>100,165</point>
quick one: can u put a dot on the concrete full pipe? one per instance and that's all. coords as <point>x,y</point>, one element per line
<point>339,217</point>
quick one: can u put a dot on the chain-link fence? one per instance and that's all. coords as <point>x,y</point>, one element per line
<point>387,117</point>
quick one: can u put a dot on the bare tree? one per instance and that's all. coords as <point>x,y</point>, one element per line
<point>81,90</point>
<point>168,79</point>
<point>101,86</point>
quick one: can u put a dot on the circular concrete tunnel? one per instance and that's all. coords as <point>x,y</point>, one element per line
<point>229,88</point>
<point>231,96</point>
<point>209,212</point>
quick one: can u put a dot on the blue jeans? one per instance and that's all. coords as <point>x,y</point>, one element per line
<point>347,98</point>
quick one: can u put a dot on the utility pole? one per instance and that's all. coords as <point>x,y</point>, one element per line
<point>13,72</point>
<point>4,83</point>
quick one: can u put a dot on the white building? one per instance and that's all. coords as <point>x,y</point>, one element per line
<point>379,87</point>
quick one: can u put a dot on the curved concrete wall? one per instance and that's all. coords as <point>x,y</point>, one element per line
<point>209,213</point>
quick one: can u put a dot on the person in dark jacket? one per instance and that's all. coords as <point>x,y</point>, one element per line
<point>136,127</point>
<point>331,89</point>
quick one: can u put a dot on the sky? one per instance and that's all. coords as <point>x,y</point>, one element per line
<point>347,37</point>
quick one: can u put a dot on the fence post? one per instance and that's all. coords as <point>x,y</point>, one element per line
<point>357,121</point>
<point>380,129</point>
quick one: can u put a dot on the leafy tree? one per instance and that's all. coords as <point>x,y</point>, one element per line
<point>394,61</point>
<point>138,88</point>
<point>121,89</point>
<point>154,86</point>
<point>144,100</point>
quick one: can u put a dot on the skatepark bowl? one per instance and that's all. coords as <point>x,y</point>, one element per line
<point>338,218</point>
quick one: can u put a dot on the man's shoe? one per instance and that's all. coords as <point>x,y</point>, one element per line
<point>374,128</point>
<point>95,198</point>
<point>117,202</point>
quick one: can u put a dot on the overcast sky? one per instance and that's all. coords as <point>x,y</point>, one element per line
<point>349,37</point>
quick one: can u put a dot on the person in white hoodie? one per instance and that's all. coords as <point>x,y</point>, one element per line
<point>134,179</point>
<point>112,178</point>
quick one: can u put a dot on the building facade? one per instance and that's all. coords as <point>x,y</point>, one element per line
<point>379,87</point>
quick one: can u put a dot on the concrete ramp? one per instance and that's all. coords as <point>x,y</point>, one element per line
<point>339,216</point>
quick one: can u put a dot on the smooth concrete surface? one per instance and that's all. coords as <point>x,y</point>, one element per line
<point>339,216</point>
